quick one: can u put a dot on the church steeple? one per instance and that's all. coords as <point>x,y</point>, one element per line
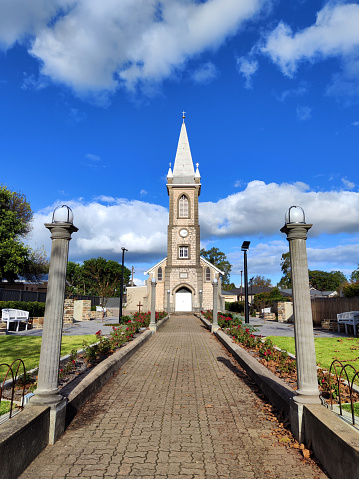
<point>183,170</point>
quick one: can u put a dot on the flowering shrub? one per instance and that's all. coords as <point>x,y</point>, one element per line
<point>224,321</point>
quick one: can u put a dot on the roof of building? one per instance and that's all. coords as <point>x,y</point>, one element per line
<point>251,290</point>
<point>183,170</point>
<point>157,265</point>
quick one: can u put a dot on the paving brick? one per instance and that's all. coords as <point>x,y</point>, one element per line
<point>182,410</point>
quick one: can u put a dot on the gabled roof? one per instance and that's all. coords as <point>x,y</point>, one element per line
<point>212,265</point>
<point>157,265</point>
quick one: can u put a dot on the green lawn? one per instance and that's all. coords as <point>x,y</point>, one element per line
<point>28,349</point>
<point>326,349</point>
<point>4,406</point>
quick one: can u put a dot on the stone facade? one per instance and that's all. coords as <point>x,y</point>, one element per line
<point>285,312</point>
<point>183,273</point>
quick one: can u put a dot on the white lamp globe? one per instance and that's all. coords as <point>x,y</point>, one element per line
<point>295,214</point>
<point>63,214</point>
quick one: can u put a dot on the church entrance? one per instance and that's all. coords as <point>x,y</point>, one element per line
<point>183,300</point>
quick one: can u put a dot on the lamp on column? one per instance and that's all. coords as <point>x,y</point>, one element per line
<point>47,392</point>
<point>307,393</point>
<point>215,325</point>
<point>121,292</point>
<point>245,248</point>
<point>153,326</point>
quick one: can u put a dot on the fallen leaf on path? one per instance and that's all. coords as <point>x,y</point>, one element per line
<point>208,405</point>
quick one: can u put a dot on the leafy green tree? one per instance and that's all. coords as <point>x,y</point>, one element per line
<point>97,277</point>
<point>263,300</point>
<point>219,259</point>
<point>324,281</point>
<point>351,290</point>
<point>286,280</point>
<point>260,281</point>
<point>228,287</point>
<point>17,259</point>
<point>354,277</point>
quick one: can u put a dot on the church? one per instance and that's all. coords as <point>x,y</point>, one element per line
<point>184,278</point>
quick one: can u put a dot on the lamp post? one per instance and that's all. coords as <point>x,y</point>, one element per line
<point>245,247</point>
<point>200,299</point>
<point>307,393</point>
<point>47,392</point>
<point>168,301</point>
<point>121,292</point>
<point>153,326</point>
<point>215,326</point>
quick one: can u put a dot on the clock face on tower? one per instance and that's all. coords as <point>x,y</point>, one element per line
<point>183,232</point>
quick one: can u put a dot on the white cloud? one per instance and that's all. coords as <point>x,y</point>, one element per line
<point>257,211</point>
<point>348,184</point>
<point>206,73</point>
<point>247,67</point>
<point>95,46</point>
<point>304,113</point>
<point>355,123</point>
<point>334,34</point>
<point>260,209</point>
<point>104,229</point>
<point>294,92</point>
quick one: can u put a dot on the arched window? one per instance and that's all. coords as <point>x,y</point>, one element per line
<point>183,207</point>
<point>208,274</point>
<point>159,274</point>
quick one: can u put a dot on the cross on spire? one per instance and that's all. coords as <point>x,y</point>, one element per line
<point>183,115</point>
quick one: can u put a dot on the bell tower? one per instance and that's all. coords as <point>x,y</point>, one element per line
<point>183,271</point>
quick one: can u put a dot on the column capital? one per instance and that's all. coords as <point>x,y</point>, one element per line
<point>296,230</point>
<point>61,230</point>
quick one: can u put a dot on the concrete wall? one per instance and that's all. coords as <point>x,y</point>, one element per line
<point>22,438</point>
<point>135,295</point>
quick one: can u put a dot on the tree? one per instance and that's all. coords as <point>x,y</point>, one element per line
<point>260,281</point>
<point>324,281</point>
<point>97,277</point>
<point>228,287</point>
<point>263,300</point>
<point>354,277</point>
<point>286,280</point>
<point>16,259</point>
<point>219,259</point>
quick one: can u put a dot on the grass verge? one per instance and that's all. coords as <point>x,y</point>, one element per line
<point>326,350</point>
<point>4,406</point>
<point>28,349</point>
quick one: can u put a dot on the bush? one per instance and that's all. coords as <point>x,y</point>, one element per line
<point>235,307</point>
<point>35,309</point>
<point>351,290</point>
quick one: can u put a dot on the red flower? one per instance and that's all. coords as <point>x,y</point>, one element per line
<point>98,333</point>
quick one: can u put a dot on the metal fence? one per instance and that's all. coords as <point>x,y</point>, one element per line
<point>328,308</point>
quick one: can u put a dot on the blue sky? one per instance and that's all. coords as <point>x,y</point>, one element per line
<point>91,97</point>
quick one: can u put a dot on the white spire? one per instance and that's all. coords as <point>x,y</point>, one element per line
<point>197,174</point>
<point>170,174</point>
<point>183,166</point>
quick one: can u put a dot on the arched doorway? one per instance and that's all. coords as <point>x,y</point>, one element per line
<point>183,299</point>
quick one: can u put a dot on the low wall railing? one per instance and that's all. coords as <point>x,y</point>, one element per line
<point>13,371</point>
<point>338,373</point>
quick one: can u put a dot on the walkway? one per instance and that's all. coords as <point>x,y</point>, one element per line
<point>177,409</point>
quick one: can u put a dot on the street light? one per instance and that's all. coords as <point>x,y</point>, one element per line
<point>307,393</point>
<point>121,292</point>
<point>245,248</point>
<point>215,326</point>
<point>47,392</point>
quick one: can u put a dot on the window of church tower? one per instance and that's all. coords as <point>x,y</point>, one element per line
<point>208,274</point>
<point>159,274</point>
<point>183,207</point>
<point>183,251</point>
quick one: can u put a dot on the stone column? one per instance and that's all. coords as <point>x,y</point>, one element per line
<point>307,392</point>
<point>153,326</point>
<point>168,302</point>
<point>200,300</point>
<point>47,392</point>
<point>215,326</point>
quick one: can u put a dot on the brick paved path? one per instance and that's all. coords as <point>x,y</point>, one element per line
<point>176,409</point>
